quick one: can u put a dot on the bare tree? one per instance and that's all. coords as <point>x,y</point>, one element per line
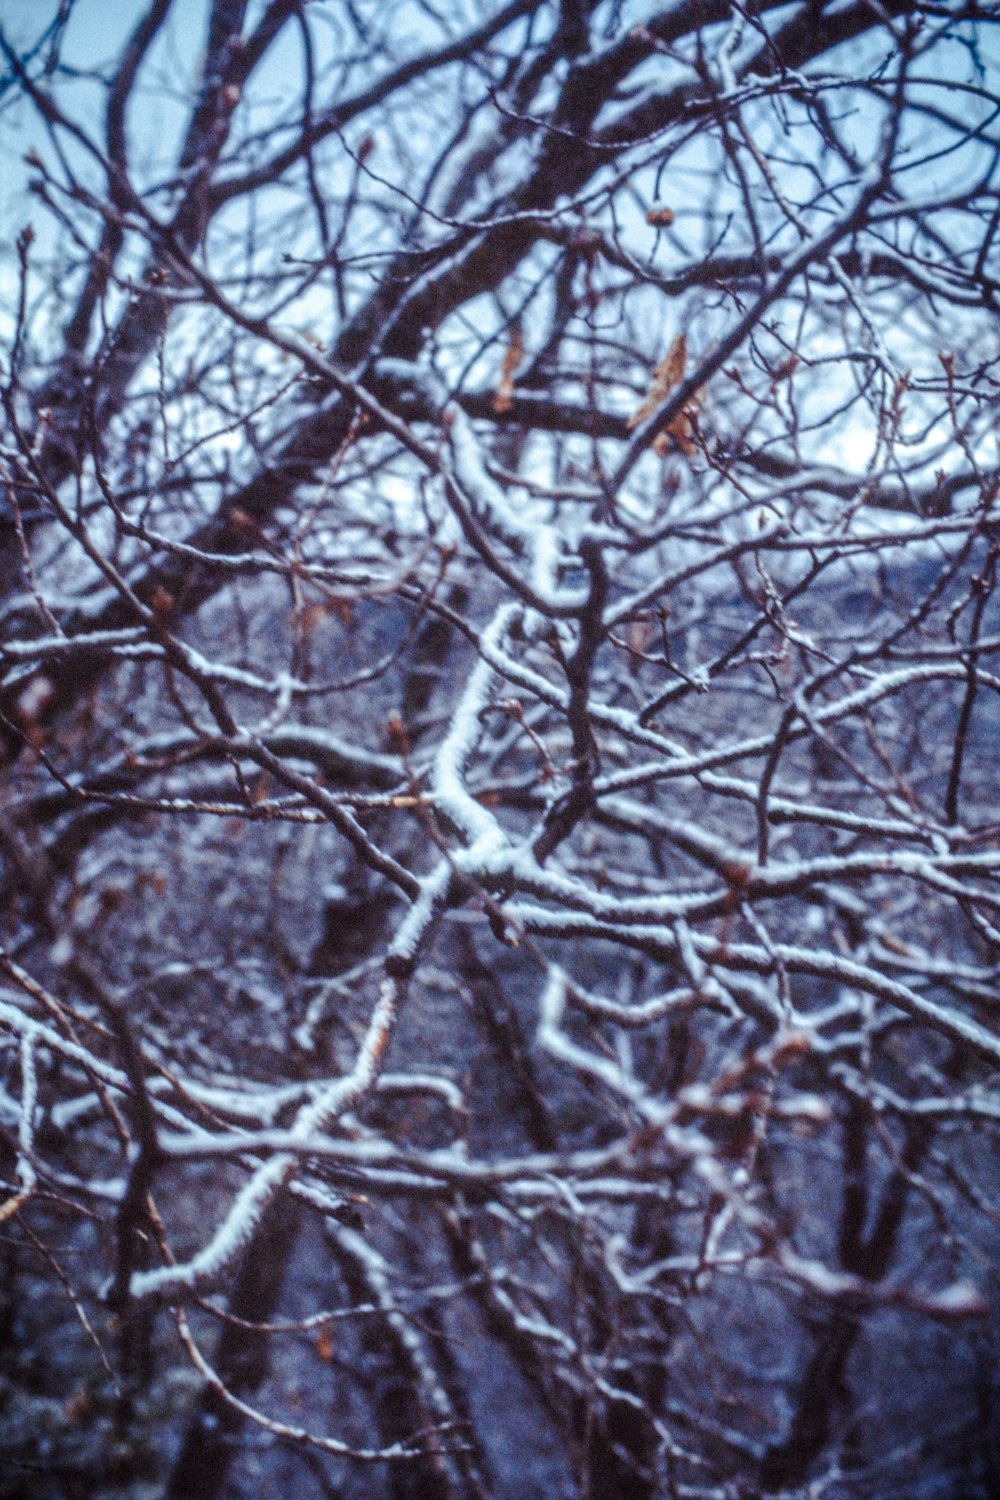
<point>499,848</point>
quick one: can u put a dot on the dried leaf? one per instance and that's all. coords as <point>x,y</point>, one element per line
<point>896,945</point>
<point>503,400</point>
<point>78,1406</point>
<point>668,372</point>
<point>679,431</point>
<point>639,635</point>
<point>660,217</point>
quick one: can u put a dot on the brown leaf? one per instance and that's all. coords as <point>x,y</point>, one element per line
<point>660,217</point>
<point>668,372</point>
<point>639,635</point>
<point>680,431</point>
<point>78,1406</point>
<point>397,734</point>
<point>503,400</point>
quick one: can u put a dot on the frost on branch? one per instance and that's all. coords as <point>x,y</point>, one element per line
<point>499,697</point>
